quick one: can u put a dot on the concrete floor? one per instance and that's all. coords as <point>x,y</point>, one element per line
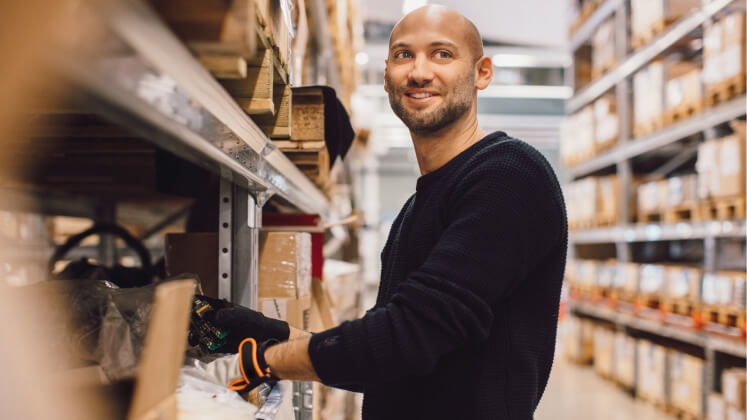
<point>576,392</point>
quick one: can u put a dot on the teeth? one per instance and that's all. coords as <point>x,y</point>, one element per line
<point>420,95</point>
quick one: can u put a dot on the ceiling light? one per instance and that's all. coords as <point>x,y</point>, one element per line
<point>361,58</point>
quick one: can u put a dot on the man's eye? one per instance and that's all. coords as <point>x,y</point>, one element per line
<point>402,54</point>
<point>443,54</point>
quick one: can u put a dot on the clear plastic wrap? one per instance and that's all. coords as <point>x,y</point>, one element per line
<point>97,324</point>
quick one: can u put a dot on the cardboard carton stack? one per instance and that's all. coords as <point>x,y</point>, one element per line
<point>651,17</point>
<point>624,359</point>
<point>577,137</point>
<point>721,168</point>
<point>724,58</point>
<point>579,340</point>
<point>733,386</point>
<point>604,344</point>
<point>606,122</point>
<point>603,49</point>
<point>686,382</point>
<point>593,201</point>
<point>651,372</point>
<point>285,276</point>
<point>683,91</point>
<point>648,98</point>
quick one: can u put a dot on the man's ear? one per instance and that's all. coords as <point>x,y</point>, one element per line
<point>484,72</point>
<point>386,69</point>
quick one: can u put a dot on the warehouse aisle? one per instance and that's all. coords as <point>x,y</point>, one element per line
<point>576,392</point>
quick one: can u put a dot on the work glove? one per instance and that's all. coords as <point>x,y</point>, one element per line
<point>252,365</point>
<point>239,322</point>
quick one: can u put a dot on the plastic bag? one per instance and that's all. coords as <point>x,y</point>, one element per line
<point>96,323</point>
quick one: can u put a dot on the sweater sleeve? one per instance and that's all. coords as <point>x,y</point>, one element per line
<point>482,254</point>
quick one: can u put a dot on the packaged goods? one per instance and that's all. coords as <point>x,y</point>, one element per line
<point>651,371</point>
<point>624,358</point>
<point>683,282</point>
<point>685,382</point>
<point>652,279</point>
<point>731,167</point>
<point>733,387</point>
<point>708,170</point>
<point>603,351</point>
<point>284,264</point>
<point>716,407</point>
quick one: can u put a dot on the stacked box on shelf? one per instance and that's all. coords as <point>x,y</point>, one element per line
<point>686,374</point>
<point>683,97</point>
<point>733,387</point>
<point>623,366</point>
<point>651,285</point>
<point>724,58</point>
<point>682,290</point>
<point>284,276</point>
<point>577,137</point>
<point>626,283</point>
<point>604,345</point>
<point>579,340</point>
<point>307,147</point>
<point>723,299</point>
<point>721,175</point>
<point>670,200</point>
<point>593,201</point>
<point>584,13</point>
<point>649,18</point>
<point>651,370</point>
<point>603,49</point>
<point>606,122</point>
<point>648,98</point>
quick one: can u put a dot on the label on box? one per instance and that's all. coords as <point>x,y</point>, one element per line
<point>712,71</point>
<point>275,308</point>
<point>731,61</point>
<point>729,156</point>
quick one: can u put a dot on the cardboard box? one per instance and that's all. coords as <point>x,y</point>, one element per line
<point>685,382</point>
<point>194,253</point>
<point>734,413</point>
<point>307,115</point>
<point>646,13</point>
<point>718,289</point>
<point>649,197</point>
<point>684,85</point>
<point>603,46</point>
<point>603,351</point>
<point>652,363</point>
<point>716,407</point>
<point>607,205</point>
<point>284,264</point>
<point>731,167</point>
<point>295,311</point>
<point>733,28</point>
<point>579,340</point>
<point>733,387</point>
<point>681,190</point>
<point>630,273</point>
<point>648,92</point>
<point>683,282</point>
<point>708,170</point>
<point>606,121</point>
<point>624,359</point>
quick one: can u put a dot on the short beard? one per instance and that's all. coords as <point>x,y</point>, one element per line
<point>433,121</point>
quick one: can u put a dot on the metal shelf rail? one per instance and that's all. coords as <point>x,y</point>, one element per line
<point>696,338</point>
<point>638,59</point>
<point>661,232</point>
<point>587,29</point>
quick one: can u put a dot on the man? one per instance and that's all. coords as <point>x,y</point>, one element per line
<point>465,321</point>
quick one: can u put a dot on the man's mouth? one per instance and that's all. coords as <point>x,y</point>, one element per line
<point>420,95</point>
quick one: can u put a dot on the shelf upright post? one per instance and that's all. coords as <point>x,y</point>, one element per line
<point>225,239</point>
<point>247,219</point>
<point>622,96</point>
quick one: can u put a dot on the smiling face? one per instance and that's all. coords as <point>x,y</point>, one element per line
<point>431,70</point>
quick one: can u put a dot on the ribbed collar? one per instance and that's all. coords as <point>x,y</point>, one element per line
<point>434,176</point>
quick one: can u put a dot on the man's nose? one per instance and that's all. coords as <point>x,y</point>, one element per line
<point>420,73</point>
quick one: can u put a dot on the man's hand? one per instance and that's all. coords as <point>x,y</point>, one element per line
<point>241,322</point>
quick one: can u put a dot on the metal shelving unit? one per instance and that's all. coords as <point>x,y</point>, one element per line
<point>619,159</point>
<point>146,80</point>
<point>631,63</point>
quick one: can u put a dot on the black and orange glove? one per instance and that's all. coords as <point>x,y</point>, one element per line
<point>241,322</point>
<point>254,368</point>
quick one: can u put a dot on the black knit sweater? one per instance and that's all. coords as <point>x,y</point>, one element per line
<point>465,321</point>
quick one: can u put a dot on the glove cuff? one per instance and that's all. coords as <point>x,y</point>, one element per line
<point>252,364</point>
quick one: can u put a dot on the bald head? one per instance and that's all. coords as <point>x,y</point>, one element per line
<point>437,16</point>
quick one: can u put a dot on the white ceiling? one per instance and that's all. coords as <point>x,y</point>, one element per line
<point>523,22</point>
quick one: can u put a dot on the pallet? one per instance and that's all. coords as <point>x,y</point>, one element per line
<point>717,93</point>
<point>650,217</point>
<point>679,306</point>
<point>689,212</point>
<point>682,112</point>
<point>730,208</point>
<point>682,414</point>
<point>651,126</point>
<point>643,38</point>
<point>314,164</point>
<point>726,315</point>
